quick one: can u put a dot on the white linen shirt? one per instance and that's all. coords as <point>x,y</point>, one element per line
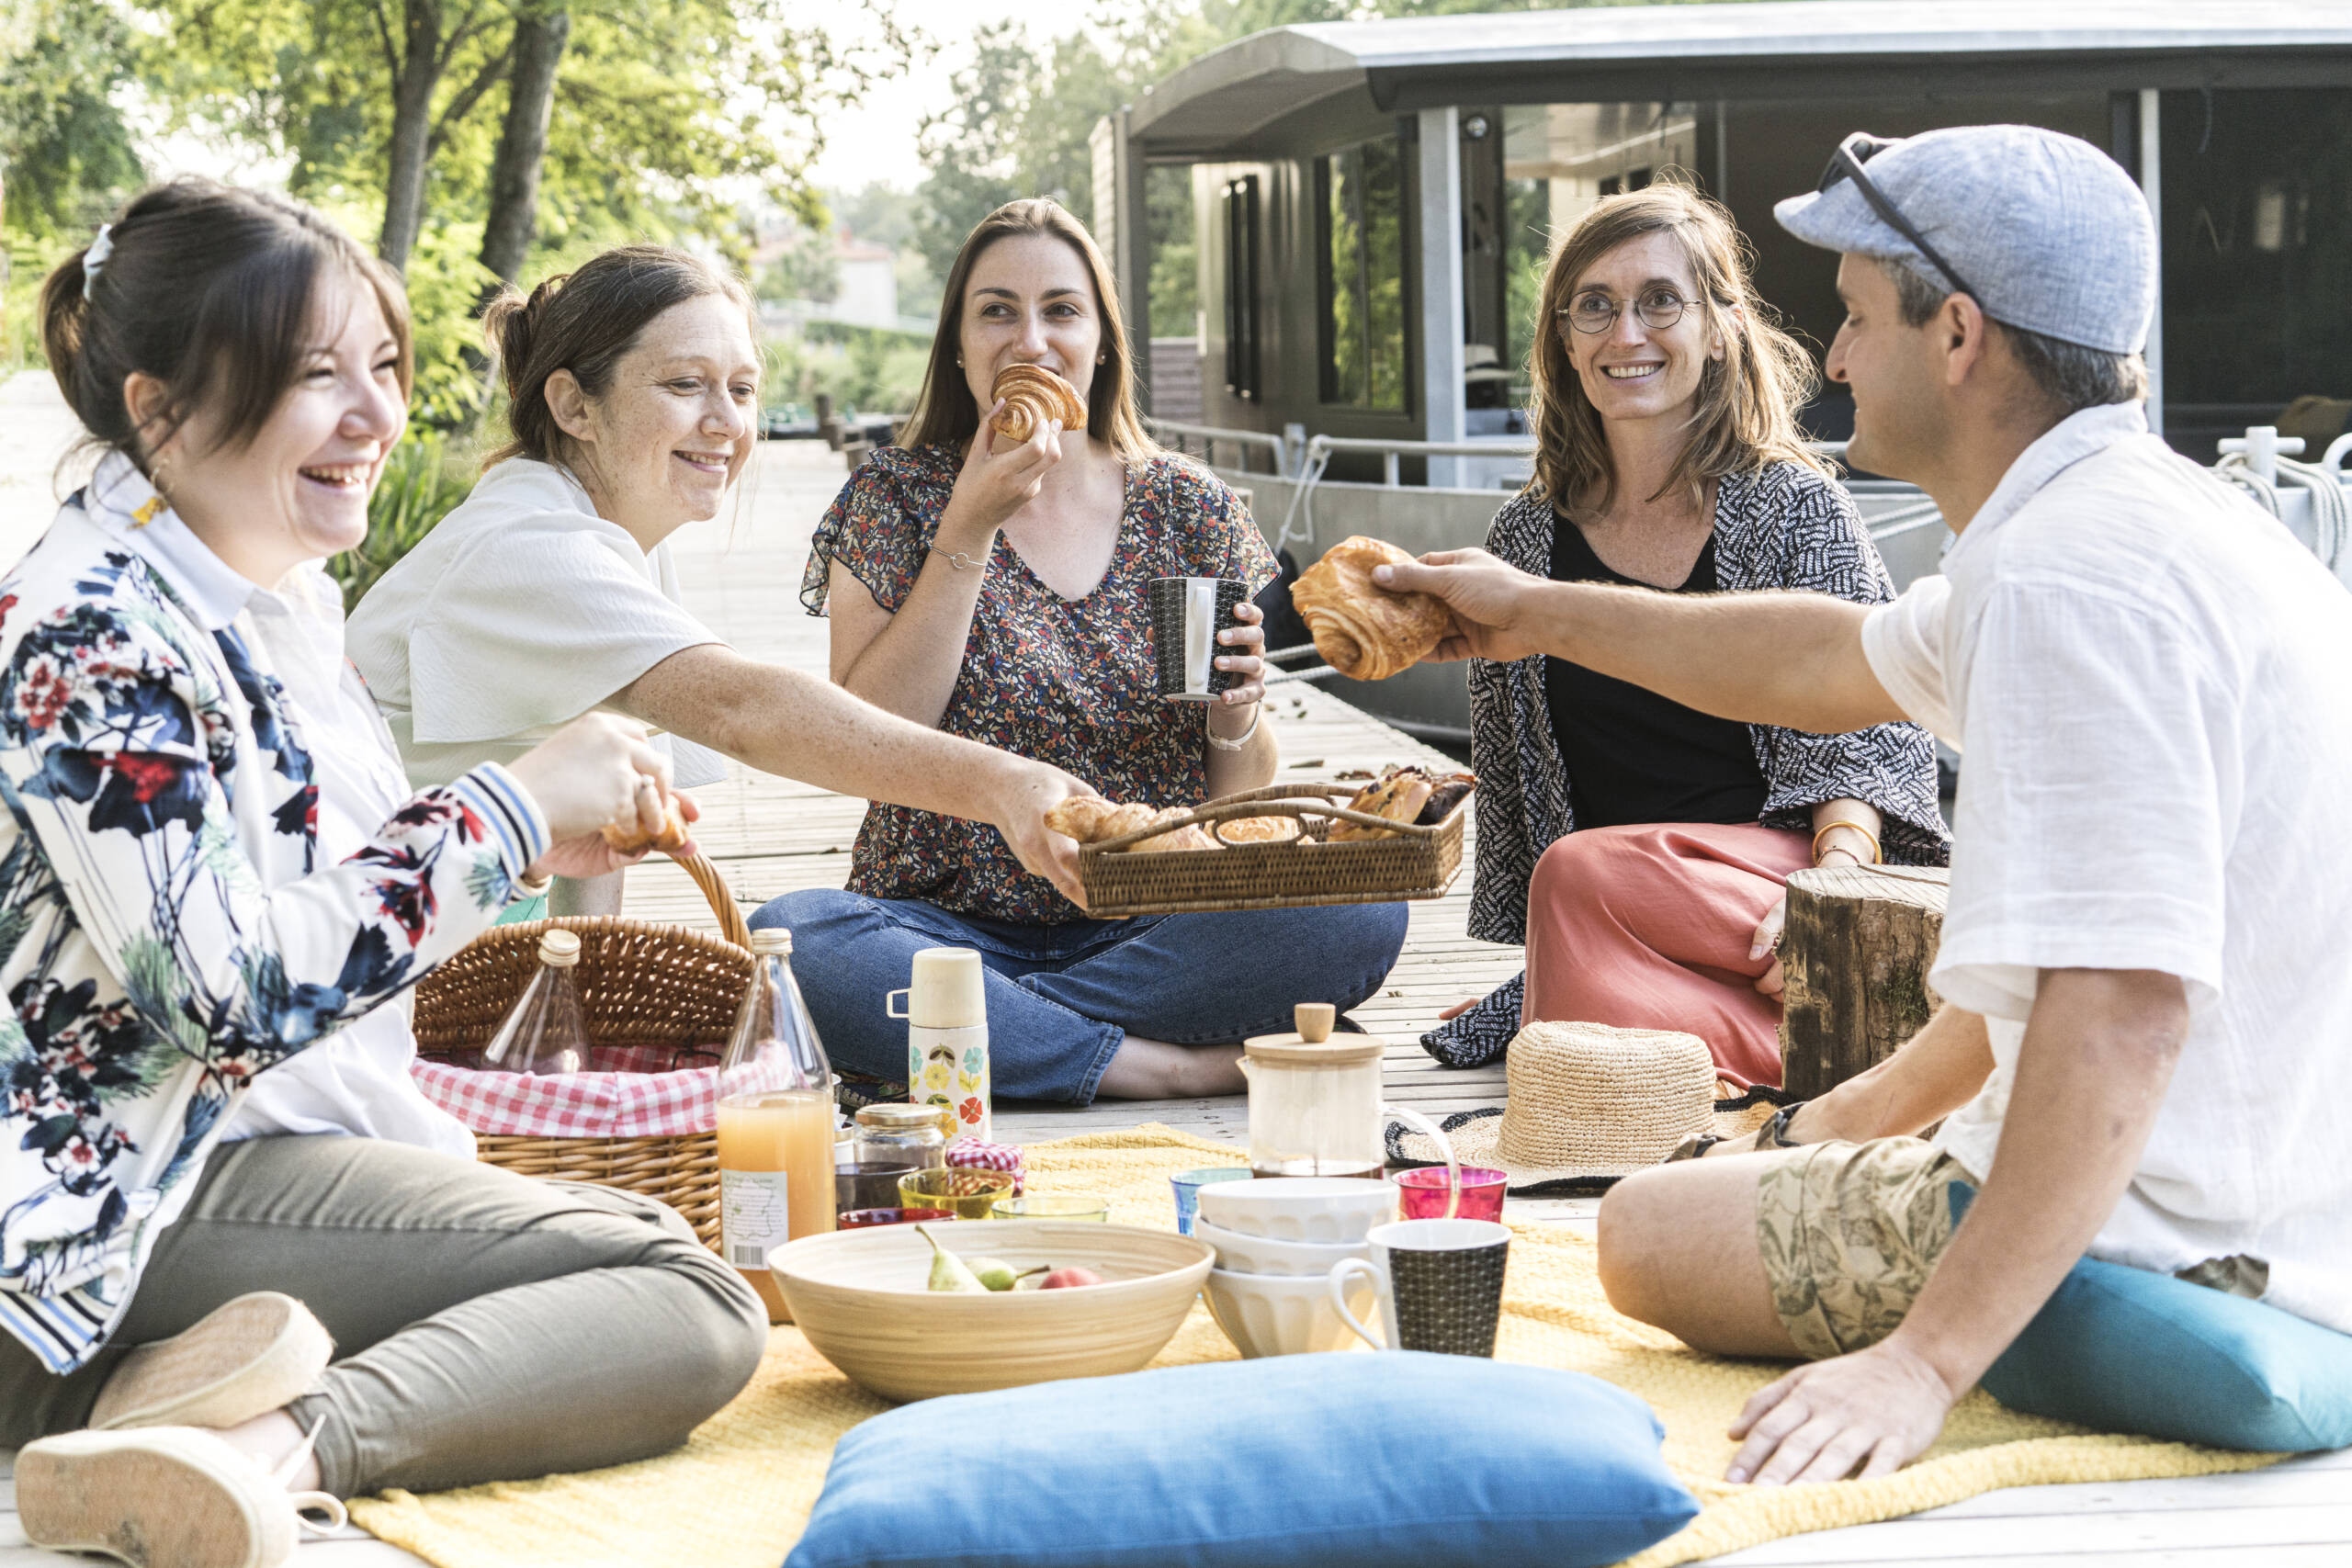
<point>356,1081</point>
<point>2150,681</point>
<point>516,613</point>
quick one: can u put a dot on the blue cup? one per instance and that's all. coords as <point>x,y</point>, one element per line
<point>1188,1185</point>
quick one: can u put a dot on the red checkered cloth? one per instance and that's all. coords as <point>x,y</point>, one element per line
<point>974,1154</point>
<point>627,1094</point>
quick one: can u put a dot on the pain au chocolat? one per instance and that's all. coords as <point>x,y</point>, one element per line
<point>1362,630</point>
<point>1032,395</point>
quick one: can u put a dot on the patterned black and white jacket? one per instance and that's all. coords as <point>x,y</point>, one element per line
<point>1782,527</point>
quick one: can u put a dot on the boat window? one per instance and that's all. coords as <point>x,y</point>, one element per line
<point>2257,230</point>
<point>1241,288</point>
<point>1360,195</point>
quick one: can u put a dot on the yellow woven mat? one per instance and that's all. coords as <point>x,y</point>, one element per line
<point>737,1495</point>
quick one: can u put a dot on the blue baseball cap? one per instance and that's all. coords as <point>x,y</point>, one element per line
<point>2043,231</point>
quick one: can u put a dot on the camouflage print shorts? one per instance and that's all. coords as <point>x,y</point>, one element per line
<point>1850,1233</point>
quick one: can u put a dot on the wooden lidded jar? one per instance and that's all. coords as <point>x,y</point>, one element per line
<point>1315,1101</point>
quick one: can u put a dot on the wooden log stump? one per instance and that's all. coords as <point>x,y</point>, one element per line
<point>1854,957</point>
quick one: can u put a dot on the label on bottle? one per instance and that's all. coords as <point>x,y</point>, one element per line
<point>754,1215</point>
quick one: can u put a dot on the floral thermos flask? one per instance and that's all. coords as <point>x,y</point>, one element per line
<point>947,1036</point>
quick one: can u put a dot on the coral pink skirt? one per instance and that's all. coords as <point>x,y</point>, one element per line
<point>1649,927</point>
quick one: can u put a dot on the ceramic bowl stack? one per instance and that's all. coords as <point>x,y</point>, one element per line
<point>1277,1239</point>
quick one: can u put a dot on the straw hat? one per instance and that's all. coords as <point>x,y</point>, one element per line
<point>1590,1103</point>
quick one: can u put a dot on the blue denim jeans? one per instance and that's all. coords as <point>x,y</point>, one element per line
<point>1060,998</point>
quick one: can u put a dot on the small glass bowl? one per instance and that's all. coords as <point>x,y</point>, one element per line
<point>971,1194</point>
<point>865,1219</point>
<point>1054,1206</point>
<point>1188,1185</point>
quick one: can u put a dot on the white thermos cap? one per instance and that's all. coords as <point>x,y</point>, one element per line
<point>948,990</point>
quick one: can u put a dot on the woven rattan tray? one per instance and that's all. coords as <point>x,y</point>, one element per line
<point>1413,862</point>
<point>642,985</point>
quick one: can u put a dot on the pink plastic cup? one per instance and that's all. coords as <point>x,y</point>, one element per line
<point>1420,1194</point>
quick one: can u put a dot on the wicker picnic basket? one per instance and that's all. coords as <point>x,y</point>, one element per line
<point>646,988</point>
<point>1413,861</point>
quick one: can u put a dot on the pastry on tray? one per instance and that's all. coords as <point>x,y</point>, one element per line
<point>1032,395</point>
<point>1090,819</point>
<point>1363,631</point>
<point>625,839</point>
<point>1405,794</point>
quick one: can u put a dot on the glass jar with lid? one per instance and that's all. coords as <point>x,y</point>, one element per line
<point>902,1137</point>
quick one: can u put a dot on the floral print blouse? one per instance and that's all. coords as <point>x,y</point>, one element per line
<point>1067,681</point>
<point>166,931</point>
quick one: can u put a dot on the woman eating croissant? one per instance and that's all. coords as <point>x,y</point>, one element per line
<point>1639,849</point>
<point>990,577</point>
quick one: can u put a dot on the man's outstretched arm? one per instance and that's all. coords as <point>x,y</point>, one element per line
<point>1789,659</point>
<point>2097,1057</point>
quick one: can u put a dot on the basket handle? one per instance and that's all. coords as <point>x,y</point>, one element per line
<point>1273,800</point>
<point>731,924</point>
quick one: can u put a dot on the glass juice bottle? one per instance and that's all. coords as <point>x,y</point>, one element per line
<point>776,1131</point>
<point>548,1031</point>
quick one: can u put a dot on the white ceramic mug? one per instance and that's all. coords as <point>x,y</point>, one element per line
<point>1439,1283</point>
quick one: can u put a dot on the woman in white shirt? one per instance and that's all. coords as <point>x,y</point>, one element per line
<point>633,388</point>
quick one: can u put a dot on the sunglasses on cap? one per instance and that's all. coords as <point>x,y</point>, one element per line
<point>1845,163</point>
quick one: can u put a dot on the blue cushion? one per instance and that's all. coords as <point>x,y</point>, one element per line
<point>2129,1350</point>
<point>1366,1461</point>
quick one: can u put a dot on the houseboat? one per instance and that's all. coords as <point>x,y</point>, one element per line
<point>1372,204</point>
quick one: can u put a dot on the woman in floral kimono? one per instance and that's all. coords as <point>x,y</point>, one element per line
<point>212,880</point>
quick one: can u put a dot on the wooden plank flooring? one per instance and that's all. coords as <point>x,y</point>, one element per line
<point>742,575</point>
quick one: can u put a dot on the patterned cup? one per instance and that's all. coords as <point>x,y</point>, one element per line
<point>1420,1194</point>
<point>1186,615</point>
<point>1440,1284</point>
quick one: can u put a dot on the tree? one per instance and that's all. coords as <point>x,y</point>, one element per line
<point>539,39</point>
<point>66,153</point>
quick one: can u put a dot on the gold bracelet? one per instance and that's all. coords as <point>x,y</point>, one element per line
<point>1878,856</point>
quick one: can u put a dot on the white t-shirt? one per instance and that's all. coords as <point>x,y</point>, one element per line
<point>2150,681</point>
<point>519,612</point>
<point>357,1080</point>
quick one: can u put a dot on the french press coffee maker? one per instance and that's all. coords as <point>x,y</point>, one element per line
<point>1314,1103</point>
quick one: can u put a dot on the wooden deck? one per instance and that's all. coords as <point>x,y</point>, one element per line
<point>771,836</point>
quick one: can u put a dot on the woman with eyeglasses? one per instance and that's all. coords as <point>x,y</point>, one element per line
<point>1640,848</point>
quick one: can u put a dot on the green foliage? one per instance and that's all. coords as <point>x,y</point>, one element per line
<point>425,479</point>
<point>66,153</point>
<point>859,367</point>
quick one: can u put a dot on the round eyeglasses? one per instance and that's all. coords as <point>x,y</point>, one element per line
<point>1594,310</point>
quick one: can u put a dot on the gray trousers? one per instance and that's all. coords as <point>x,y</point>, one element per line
<point>487,1326</point>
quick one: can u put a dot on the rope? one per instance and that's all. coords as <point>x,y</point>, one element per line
<point>2331,508</point>
<point>1311,474</point>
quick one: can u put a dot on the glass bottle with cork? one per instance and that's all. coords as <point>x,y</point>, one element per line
<point>547,1031</point>
<point>775,1122</point>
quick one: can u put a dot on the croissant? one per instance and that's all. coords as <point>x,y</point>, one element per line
<point>625,839</point>
<point>1363,631</point>
<point>1405,794</point>
<point>1260,829</point>
<point>1032,395</point>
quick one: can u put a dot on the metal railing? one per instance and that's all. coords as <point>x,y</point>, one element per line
<point>1209,434</point>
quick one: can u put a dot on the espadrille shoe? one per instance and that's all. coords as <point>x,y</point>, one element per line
<point>245,1358</point>
<point>162,1497</point>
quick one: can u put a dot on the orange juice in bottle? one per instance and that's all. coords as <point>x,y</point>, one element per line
<point>775,1122</point>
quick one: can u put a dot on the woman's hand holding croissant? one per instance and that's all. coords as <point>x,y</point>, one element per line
<point>999,478</point>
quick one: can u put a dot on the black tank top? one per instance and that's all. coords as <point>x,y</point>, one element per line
<point>1632,755</point>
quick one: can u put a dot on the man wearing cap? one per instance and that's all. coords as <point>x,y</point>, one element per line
<point>2147,953</point>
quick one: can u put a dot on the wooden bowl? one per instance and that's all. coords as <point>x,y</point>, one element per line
<point>859,1297</point>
